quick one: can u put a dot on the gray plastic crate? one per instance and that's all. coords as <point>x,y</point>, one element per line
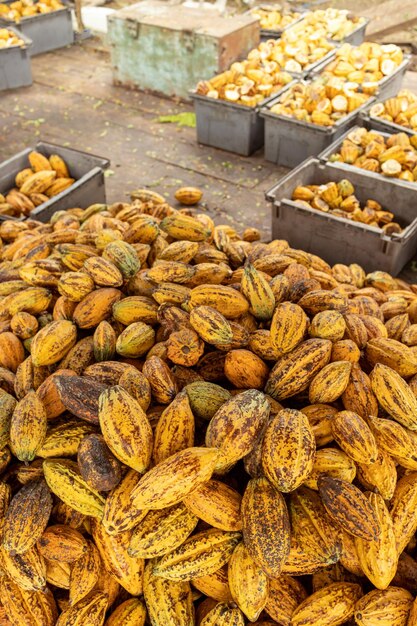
<point>48,31</point>
<point>87,169</point>
<point>228,126</point>
<point>388,86</point>
<point>289,141</point>
<point>15,67</point>
<point>335,147</point>
<point>339,240</point>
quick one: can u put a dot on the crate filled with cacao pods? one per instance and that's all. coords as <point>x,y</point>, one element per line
<point>372,67</point>
<point>345,217</point>
<point>199,428</point>
<point>41,180</point>
<point>47,23</point>
<point>228,106</point>
<point>382,155</point>
<point>275,19</point>
<point>307,118</point>
<point>338,25</point>
<point>393,115</point>
<point>16,70</point>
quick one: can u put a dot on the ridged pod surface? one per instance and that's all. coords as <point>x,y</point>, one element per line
<point>288,450</point>
<point>315,537</point>
<point>175,429</point>
<point>329,384</point>
<point>215,585</point>
<point>346,504</point>
<point>162,531</point>
<point>223,615</point>
<point>27,608</point>
<point>167,601</point>
<point>125,428</point>
<point>92,608</point>
<point>394,395</point>
<point>288,327</point>
<point>337,601</point>
<point>379,558</point>
<point>404,510</point>
<point>224,299</point>
<point>65,481</point>
<point>173,479</point>
<point>114,553</point>
<point>258,292</point>
<point>201,554</point>
<point>84,574</point>
<point>26,516</point>
<point>248,583</point>
<point>52,342</point>
<point>285,594</point>
<point>235,427</point>
<point>355,437</point>
<point>294,371</point>
<point>216,504</point>
<point>267,543</point>
<point>387,607</point>
<point>28,427</point>
<point>62,543</point>
<point>130,613</point>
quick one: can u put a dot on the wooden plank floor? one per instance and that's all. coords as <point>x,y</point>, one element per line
<point>73,102</point>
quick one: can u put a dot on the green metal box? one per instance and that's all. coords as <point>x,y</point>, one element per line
<point>168,48</point>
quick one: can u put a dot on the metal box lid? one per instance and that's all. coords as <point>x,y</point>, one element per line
<point>162,14</point>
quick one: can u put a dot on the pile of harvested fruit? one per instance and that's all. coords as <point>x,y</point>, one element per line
<point>200,428</point>
<point>296,51</point>
<point>18,10</point>
<point>265,72</point>
<point>395,156</point>
<point>339,199</point>
<point>333,23</point>
<point>365,65</point>
<point>8,39</point>
<point>247,82</point>
<point>274,18</point>
<point>402,109</point>
<point>43,179</point>
<point>318,104</point>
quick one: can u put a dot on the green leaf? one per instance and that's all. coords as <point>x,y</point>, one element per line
<point>182,119</point>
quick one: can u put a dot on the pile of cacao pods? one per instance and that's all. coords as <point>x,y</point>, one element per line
<point>198,428</point>
<point>394,156</point>
<point>365,65</point>
<point>339,199</point>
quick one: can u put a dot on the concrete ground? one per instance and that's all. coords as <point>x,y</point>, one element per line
<point>73,102</point>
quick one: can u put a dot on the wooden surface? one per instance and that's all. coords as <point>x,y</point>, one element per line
<point>390,16</point>
<point>73,102</point>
